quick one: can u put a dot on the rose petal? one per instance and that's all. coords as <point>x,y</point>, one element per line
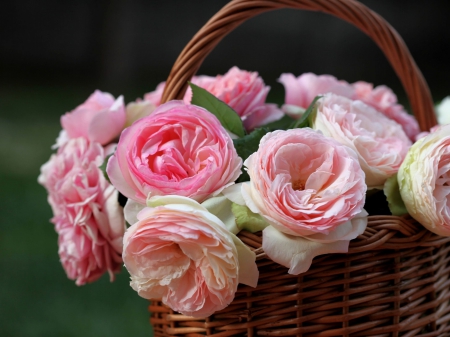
<point>248,271</point>
<point>297,253</point>
<point>131,210</point>
<point>221,207</point>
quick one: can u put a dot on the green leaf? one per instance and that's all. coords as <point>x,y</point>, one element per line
<point>247,145</point>
<point>229,119</point>
<point>392,192</point>
<point>247,220</point>
<point>283,123</point>
<point>305,121</point>
<point>102,167</point>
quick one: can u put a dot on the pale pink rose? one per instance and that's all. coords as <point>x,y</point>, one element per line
<point>244,91</point>
<point>304,183</point>
<point>301,90</point>
<point>380,143</point>
<point>179,149</point>
<point>424,180</point>
<point>384,100</point>
<point>183,254</point>
<point>310,190</point>
<point>100,119</point>
<point>87,215</point>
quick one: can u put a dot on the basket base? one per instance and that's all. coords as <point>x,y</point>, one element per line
<point>374,290</point>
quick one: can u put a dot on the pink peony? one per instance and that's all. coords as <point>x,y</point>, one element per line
<point>380,143</point>
<point>244,91</point>
<point>301,91</point>
<point>185,255</point>
<point>87,215</point>
<point>100,119</point>
<point>384,100</point>
<point>304,183</point>
<point>179,149</point>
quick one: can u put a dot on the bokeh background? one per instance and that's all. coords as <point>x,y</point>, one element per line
<point>54,54</point>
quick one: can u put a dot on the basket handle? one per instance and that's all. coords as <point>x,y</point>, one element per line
<point>238,11</point>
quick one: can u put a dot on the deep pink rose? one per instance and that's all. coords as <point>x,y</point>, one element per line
<point>384,100</point>
<point>87,215</point>
<point>179,149</point>
<point>183,254</point>
<point>380,143</point>
<point>304,183</point>
<point>301,90</point>
<point>100,119</point>
<point>244,91</point>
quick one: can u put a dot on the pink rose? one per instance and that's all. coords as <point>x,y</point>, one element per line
<point>380,143</point>
<point>180,252</point>
<point>301,91</point>
<point>244,91</point>
<point>100,119</point>
<point>310,190</point>
<point>304,183</point>
<point>384,100</point>
<point>179,149</point>
<point>87,215</point>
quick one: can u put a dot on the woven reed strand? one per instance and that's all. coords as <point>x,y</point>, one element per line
<point>238,11</point>
<point>394,281</point>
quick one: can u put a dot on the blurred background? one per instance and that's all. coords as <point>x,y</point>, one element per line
<point>54,54</point>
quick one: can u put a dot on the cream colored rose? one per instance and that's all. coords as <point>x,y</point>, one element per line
<point>424,181</point>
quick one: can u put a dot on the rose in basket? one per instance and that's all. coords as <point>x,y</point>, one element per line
<point>87,215</point>
<point>198,171</point>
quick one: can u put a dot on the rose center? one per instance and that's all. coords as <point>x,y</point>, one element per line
<point>298,185</point>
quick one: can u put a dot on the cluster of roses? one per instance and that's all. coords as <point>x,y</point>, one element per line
<point>180,167</point>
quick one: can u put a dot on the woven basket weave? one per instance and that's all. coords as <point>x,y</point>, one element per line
<point>394,281</point>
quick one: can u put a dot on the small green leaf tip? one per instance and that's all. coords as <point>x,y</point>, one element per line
<point>229,119</point>
<point>305,121</point>
<point>247,220</point>
<point>102,167</point>
<point>392,192</point>
<point>247,145</point>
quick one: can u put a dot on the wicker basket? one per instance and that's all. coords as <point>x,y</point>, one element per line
<point>394,281</point>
